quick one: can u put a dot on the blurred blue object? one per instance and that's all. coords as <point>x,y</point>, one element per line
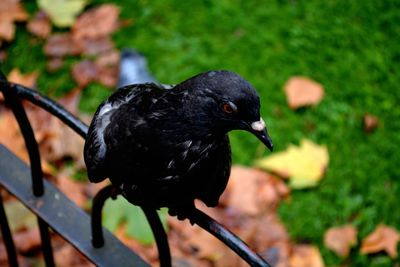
<point>133,69</point>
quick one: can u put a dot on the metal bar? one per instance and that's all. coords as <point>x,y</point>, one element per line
<point>227,237</point>
<point>98,203</point>
<point>64,217</point>
<point>49,105</point>
<point>7,237</point>
<point>29,138</point>
<point>160,236</point>
<point>46,243</point>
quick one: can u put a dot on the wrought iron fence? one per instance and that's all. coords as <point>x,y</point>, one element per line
<point>54,210</point>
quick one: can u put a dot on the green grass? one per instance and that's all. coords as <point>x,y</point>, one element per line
<point>351,47</point>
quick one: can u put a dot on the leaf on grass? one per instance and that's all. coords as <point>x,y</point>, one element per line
<point>40,25</point>
<point>96,22</point>
<point>28,80</point>
<point>10,11</point>
<point>304,165</point>
<point>370,123</point>
<point>62,13</point>
<point>383,238</point>
<point>341,239</point>
<point>305,256</point>
<point>301,91</point>
<point>60,45</point>
<point>84,72</point>
<point>251,191</point>
<point>88,71</point>
<point>121,211</point>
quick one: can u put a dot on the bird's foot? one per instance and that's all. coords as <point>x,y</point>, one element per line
<point>182,212</point>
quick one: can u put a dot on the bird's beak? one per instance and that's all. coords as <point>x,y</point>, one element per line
<point>258,129</point>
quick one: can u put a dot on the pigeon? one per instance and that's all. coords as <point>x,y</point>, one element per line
<point>167,147</point>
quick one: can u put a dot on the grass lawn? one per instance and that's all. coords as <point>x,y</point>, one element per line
<point>351,47</point>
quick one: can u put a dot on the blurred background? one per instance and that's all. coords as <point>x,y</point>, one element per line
<point>351,48</point>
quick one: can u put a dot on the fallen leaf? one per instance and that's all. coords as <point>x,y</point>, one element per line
<point>28,80</point>
<point>370,122</point>
<point>11,137</point>
<point>304,165</point>
<point>301,91</point>
<point>305,256</point>
<point>54,64</point>
<point>74,190</point>
<point>3,56</point>
<point>251,191</point>
<point>107,76</point>
<point>84,72</point>
<point>383,238</point>
<point>61,44</point>
<point>62,13</point>
<point>28,240</point>
<point>341,239</point>
<point>40,25</point>
<point>96,22</point>
<point>108,59</point>
<point>95,46</point>
<point>10,11</point>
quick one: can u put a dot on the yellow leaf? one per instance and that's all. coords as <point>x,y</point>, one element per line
<point>304,165</point>
<point>62,13</point>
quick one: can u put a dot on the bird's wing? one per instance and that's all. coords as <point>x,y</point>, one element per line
<point>95,149</point>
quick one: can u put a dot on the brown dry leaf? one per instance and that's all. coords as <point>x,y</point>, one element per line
<point>108,59</point>
<point>305,256</point>
<point>96,46</point>
<point>84,72</point>
<point>61,44</point>
<point>341,239</point>
<point>96,22</point>
<point>73,190</point>
<point>70,101</point>
<point>383,238</point>
<point>56,140</point>
<point>67,256</point>
<point>40,25</point>
<point>28,240</point>
<point>251,191</point>
<point>10,135</point>
<point>107,76</point>
<point>195,243</point>
<point>28,80</point>
<point>54,64</point>
<point>370,123</point>
<point>10,11</point>
<point>302,91</point>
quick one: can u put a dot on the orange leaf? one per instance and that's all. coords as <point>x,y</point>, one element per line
<point>383,238</point>
<point>301,91</point>
<point>251,191</point>
<point>370,123</point>
<point>305,256</point>
<point>10,11</point>
<point>97,22</point>
<point>40,25</point>
<point>341,239</point>
<point>28,80</point>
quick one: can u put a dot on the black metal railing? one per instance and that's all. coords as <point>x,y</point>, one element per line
<point>13,93</point>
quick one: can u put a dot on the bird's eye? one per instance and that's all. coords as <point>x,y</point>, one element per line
<point>229,107</point>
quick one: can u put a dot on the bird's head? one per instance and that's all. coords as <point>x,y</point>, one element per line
<point>227,100</point>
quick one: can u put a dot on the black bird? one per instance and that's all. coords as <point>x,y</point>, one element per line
<point>165,148</point>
